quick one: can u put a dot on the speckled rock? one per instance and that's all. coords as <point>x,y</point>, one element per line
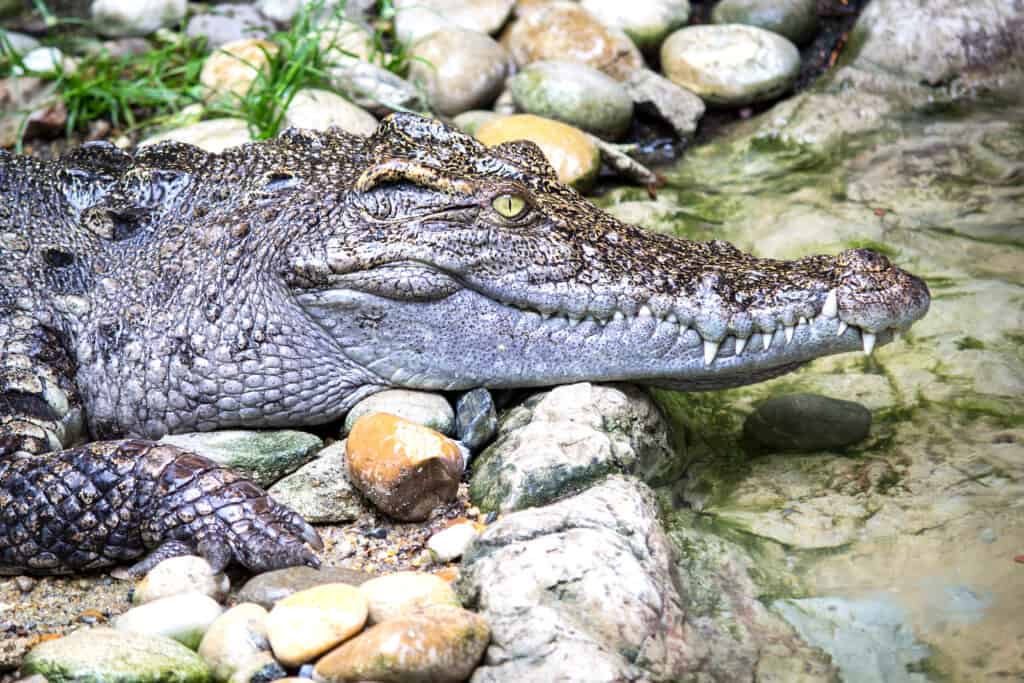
<point>270,587</point>
<point>576,94</point>
<point>214,136</point>
<point>178,575</point>
<point>264,457</point>
<point>476,419</point>
<point>806,422</point>
<point>232,70</point>
<point>680,107</point>
<point>405,469</point>
<point>730,64</point>
<point>417,18</point>
<point>441,644</point>
<point>236,646</point>
<point>422,407</point>
<point>321,109</point>
<point>449,544</point>
<point>403,592</point>
<point>137,18</point>
<point>227,23</point>
<point>458,69</point>
<point>566,31</point>
<point>306,624</point>
<point>320,491</point>
<point>184,618</point>
<point>794,19</point>
<point>112,656</point>
<point>570,152</point>
<point>646,22</point>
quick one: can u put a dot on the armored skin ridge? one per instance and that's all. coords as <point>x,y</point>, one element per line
<point>278,283</point>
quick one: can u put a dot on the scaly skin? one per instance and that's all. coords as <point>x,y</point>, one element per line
<point>279,283</point>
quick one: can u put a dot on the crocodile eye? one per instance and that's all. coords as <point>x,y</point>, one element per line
<point>509,205</point>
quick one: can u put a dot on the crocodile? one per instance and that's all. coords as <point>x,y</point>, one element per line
<point>279,283</point>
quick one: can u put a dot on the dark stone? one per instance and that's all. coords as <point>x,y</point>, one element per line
<point>476,419</point>
<point>266,589</point>
<point>806,422</point>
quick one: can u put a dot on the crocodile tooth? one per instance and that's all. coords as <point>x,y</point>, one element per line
<point>618,316</point>
<point>573,322</point>
<point>831,307</point>
<point>803,321</point>
<point>645,312</point>
<point>766,339</point>
<point>672,319</point>
<point>740,345</point>
<point>789,332</point>
<point>710,351</point>
<point>869,342</point>
<point>842,328</point>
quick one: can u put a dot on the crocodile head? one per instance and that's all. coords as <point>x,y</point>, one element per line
<point>451,265</point>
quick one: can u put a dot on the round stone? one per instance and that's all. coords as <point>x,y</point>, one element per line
<point>417,18</point>
<point>268,588</point>
<point>214,136</point>
<point>236,644</point>
<point>458,69</point>
<point>575,158</point>
<point>136,18</point>
<point>228,23</point>
<point>184,618</point>
<point>177,575</point>
<point>730,64</point>
<point>405,469</point>
<point>451,543</point>
<point>422,407</point>
<point>322,109</point>
<point>646,22</point>
<point>468,122</point>
<point>403,592</point>
<point>794,19</point>
<point>576,94</point>
<point>476,419</point>
<point>234,68</point>
<point>306,624</point>
<point>806,422</point>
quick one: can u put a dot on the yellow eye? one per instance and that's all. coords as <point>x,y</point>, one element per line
<point>509,205</point>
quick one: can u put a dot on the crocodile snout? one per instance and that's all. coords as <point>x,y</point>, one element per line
<point>875,295</point>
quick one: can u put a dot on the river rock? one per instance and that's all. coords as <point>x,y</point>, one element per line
<point>576,94</point>
<point>178,575</point>
<point>236,647</point>
<point>680,107</point>
<point>807,422</point>
<point>647,22</point>
<point>374,88</point>
<point>228,23</point>
<point>44,60</point>
<point>321,491</point>
<point>588,579</point>
<point>794,19</point>
<point>284,11</point>
<point>184,618</point>
<point>214,136</point>
<point>417,18</point>
<point>405,469</point>
<point>422,407</point>
<point>566,31</point>
<point>232,70</point>
<point>306,624</point>
<point>470,121</point>
<point>112,656</point>
<point>346,41</point>
<point>440,643</point>
<point>570,152</point>
<point>322,109</point>
<point>402,592</point>
<point>476,419</point>
<point>563,440</point>
<point>449,544</point>
<point>730,64</point>
<point>137,18</point>
<point>20,43</point>
<point>263,457</point>
<point>268,588</point>
<point>458,69</point>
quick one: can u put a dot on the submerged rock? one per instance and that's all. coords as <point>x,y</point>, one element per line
<point>263,457</point>
<point>806,422</point>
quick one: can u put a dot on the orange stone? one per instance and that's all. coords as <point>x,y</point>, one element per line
<point>575,158</point>
<point>405,469</point>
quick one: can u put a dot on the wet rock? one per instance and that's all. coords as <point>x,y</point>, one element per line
<point>321,491</point>
<point>137,18</point>
<point>214,136</point>
<point>264,457</point>
<point>564,440</point>
<point>458,69</point>
<point>422,407</point>
<point>646,22</point>
<point>441,644</point>
<point>105,654</point>
<point>417,18</point>
<point>270,587</point>
<point>451,543</point>
<point>306,624</point>
<point>228,23</point>
<point>230,72</point>
<point>236,647</point>
<point>570,152</point>
<point>588,579</point>
<point>405,469</point>
<point>322,109</point>
<point>402,592</point>
<point>730,64</point>
<point>576,94</point>
<point>794,19</point>
<point>476,419</point>
<point>566,31</point>
<point>374,88</point>
<point>680,107</point>
<point>184,618</point>
<point>19,43</point>
<point>807,422</point>
<point>178,575</point>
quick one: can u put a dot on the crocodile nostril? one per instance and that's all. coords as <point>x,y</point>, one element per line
<point>864,259</point>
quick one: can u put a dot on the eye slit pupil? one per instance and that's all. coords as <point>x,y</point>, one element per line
<point>509,205</point>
